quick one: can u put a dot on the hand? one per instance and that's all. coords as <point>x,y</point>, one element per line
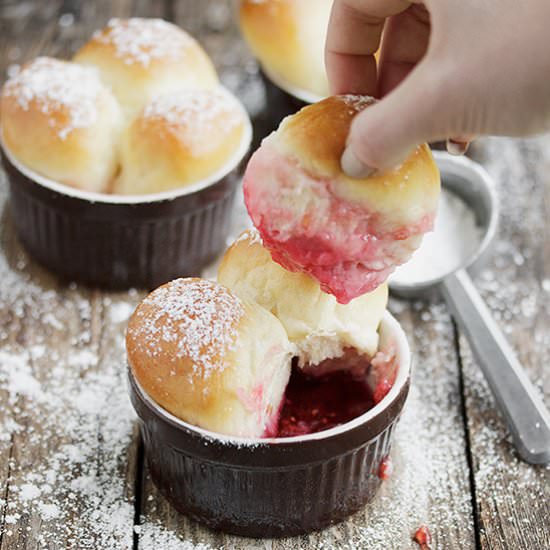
<point>447,68</point>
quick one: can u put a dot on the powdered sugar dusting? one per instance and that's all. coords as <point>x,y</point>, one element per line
<point>67,417</point>
<point>358,102</point>
<point>58,87</point>
<point>201,316</point>
<point>140,41</point>
<point>455,238</point>
<point>153,535</point>
<point>197,110</point>
<point>250,236</point>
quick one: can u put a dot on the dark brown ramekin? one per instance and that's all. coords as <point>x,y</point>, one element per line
<point>118,241</point>
<point>281,100</point>
<point>273,487</point>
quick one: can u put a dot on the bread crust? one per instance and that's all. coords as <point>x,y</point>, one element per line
<point>180,139</point>
<point>209,357</point>
<point>288,36</point>
<point>140,58</point>
<point>62,122</point>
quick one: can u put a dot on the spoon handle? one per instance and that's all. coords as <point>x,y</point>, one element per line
<point>524,412</point>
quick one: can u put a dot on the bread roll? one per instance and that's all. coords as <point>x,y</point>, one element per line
<point>210,358</point>
<point>180,139</point>
<point>347,233</point>
<point>318,326</point>
<point>60,121</point>
<point>141,58</point>
<point>288,38</point>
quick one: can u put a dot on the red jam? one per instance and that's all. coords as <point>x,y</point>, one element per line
<point>317,403</point>
<point>381,390</point>
<point>385,469</point>
<point>423,537</point>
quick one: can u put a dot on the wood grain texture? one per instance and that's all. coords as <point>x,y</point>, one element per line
<point>71,469</point>
<point>73,464</point>
<point>513,498</point>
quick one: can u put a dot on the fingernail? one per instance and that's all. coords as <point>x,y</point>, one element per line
<point>457,147</point>
<point>353,167</point>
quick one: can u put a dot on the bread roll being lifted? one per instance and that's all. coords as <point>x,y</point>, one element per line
<point>347,233</point>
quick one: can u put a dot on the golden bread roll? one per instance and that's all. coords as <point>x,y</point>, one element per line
<point>142,58</point>
<point>180,139</point>
<point>318,326</point>
<point>347,233</point>
<point>59,120</point>
<point>210,358</point>
<point>288,38</point>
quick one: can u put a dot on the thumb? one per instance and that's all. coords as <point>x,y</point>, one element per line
<point>417,110</point>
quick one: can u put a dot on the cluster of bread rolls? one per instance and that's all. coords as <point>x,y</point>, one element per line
<point>317,325</point>
<point>138,110</point>
<point>218,355</point>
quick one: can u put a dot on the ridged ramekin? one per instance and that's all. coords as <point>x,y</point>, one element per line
<point>280,486</point>
<point>122,241</point>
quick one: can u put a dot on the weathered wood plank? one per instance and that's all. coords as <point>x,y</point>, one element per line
<point>67,425</point>
<point>72,473</point>
<point>513,498</point>
<point>71,479</point>
<point>146,8</point>
<point>9,328</point>
<point>12,295</point>
<point>7,319</point>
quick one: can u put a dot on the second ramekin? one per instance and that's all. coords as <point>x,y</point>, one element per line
<point>280,486</point>
<point>282,100</point>
<point>122,241</point>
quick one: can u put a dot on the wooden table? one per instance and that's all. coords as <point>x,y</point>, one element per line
<point>72,471</point>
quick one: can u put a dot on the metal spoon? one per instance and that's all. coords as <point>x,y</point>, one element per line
<point>524,412</point>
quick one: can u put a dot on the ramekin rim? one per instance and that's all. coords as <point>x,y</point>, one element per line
<point>117,198</point>
<point>299,93</point>
<point>403,375</point>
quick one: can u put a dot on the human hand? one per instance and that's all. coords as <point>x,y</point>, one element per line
<point>447,68</point>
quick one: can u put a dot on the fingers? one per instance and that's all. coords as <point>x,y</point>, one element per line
<point>404,44</point>
<point>384,134</point>
<point>353,37</point>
